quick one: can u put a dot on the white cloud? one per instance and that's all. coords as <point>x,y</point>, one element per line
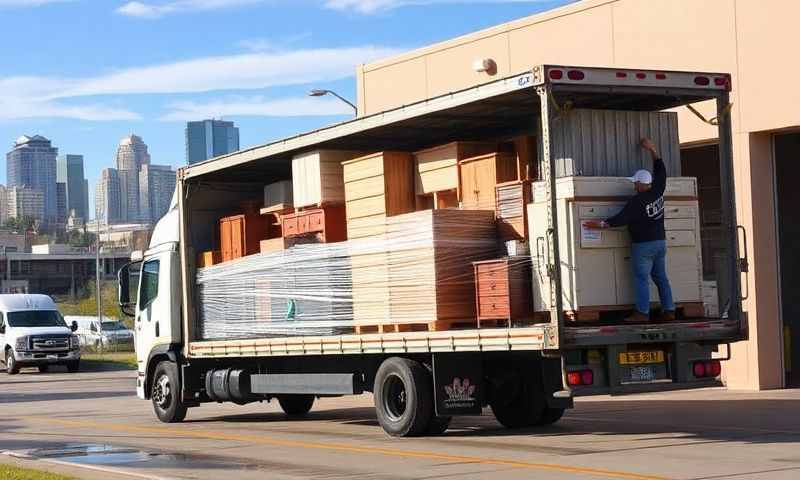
<point>25,96</point>
<point>154,10</point>
<point>257,106</point>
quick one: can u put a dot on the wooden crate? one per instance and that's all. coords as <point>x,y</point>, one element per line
<point>327,224</point>
<point>429,257</point>
<point>480,175</point>
<point>317,177</point>
<point>208,259</point>
<point>512,199</point>
<point>436,168</point>
<point>377,186</point>
<point>503,290</point>
<point>241,234</point>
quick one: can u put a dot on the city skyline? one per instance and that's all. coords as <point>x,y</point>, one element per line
<point>210,138</point>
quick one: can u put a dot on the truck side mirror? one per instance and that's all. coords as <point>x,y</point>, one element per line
<point>74,326</point>
<point>124,292</point>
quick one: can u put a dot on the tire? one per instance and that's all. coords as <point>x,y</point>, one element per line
<point>403,394</point>
<point>550,416</point>
<point>165,393</point>
<point>438,425</point>
<point>12,368</point>
<point>73,366</point>
<point>44,368</point>
<point>296,405</point>
<point>523,405</point>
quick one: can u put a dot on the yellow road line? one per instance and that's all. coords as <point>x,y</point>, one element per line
<point>389,452</point>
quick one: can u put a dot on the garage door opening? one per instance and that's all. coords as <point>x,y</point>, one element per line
<point>787,173</point>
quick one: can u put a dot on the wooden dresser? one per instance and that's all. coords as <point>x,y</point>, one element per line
<point>503,290</point>
<point>327,224</point>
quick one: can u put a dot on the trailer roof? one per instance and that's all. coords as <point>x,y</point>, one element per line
<point>504,107</point>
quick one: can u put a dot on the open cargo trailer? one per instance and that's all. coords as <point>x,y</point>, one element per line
<point>527,373</point>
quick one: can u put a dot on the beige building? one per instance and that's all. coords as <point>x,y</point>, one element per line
<point>753,40</point>
<point>24,202</point>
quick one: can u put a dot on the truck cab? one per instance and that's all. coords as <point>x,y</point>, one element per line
<point>34,334</point>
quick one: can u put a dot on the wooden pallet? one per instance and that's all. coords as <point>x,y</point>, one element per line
<point>438,326</point>
<point>594,314</point>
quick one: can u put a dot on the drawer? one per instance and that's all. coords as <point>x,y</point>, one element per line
<point>290,226</point>
<point>680,211</point>
<point>611,238</point>
<point>302,224</point>
<point>681,238</point>
<point>680,224</point>
<point>316,222</point>
<point>493,271</point>
<point>492,286</point>
<point>598,211</point>
<point>493,306</point>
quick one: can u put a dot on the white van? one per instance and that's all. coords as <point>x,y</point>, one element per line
<point>111,333</point>
<point>33,333</point>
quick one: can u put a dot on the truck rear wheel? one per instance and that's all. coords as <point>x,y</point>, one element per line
<point>403,395</point>
<point>522,402</point>
<point>165,394</point>
<point>550,416</point>
<point>296,405</point>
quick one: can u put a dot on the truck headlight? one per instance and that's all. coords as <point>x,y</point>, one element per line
<point>74,342</point>
<point>22,344</point>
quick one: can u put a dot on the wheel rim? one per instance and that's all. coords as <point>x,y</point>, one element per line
<point>10,360</point>
<point>395,397</point>
<point>162,392</point>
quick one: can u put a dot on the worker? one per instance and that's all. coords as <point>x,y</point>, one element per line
<point>644,217</point>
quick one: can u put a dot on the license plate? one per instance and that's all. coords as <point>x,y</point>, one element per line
<point>638,358</point>
<point>643,374</point>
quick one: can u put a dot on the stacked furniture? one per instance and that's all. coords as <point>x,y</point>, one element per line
<point>503,291</point>
<point>317,178</point>
<point>437,176</point>
<point>596,267</point>
<point>480,176</point>
<point>240,235</point>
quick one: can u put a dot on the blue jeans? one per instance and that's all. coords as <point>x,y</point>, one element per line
<point>649,260</point>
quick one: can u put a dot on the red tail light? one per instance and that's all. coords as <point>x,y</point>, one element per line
<point>587,377</point>
<point>699,369</point>
<point>575,75</point>
<point>714,369</point>
<point>702,81</point>
<point>622,75</point>
<point>580,377</point>
<point>720,81</point>
<point>661,76</point>
<point>556,74</point>
<point>707,369</point>
<point>574,378</point>
<point>641,76</point>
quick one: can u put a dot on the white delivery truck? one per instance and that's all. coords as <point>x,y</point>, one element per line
<point>527,373</point>
<point>34,334</point>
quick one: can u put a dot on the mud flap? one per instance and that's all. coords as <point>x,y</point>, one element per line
<point>458,384</point>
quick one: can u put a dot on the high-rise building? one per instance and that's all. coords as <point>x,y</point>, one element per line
<point>156,185</point>
<point>133,192</point>
<point>70,172</point>
<point>32,164</point>
<point>210,138</point>
<point>3,205</point>
<point>107,199</point>
<point>25,202</point>
<point>61,202</point>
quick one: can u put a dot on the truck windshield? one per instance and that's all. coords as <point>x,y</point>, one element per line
<point>113,326</point>
<point>36,318</point>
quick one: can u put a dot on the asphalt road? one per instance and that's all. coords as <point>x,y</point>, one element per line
<point>90,424</point>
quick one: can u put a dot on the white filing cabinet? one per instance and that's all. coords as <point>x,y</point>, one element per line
<point>596,264</point>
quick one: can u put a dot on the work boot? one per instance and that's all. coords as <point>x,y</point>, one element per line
<point>668,316</point>
<point>637,317</point>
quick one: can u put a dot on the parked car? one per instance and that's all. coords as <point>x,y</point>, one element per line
<point>34,334</point>
<point>111,333</point>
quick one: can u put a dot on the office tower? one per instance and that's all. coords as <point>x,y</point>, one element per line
<point>70,172</point>
<point>107,198</point>
<point>156,185</point>
<point>25,202</point>
<point>210,138</point>
<point>61,202</point>
<point>132,153</point>
<point>3,205</point>
<point>32,164</point>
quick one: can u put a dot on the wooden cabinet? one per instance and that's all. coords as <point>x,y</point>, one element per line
<point>377,186</point>
<point>596,266</point>
<point>327,224</point>
<point>278,193</point>
<point>503,289</point>
<point>480,175</point>
<point>317,177</point>
<point>208,259</point>
<point>512,199</point>
<point>436,169</point>
<point>240,235</point>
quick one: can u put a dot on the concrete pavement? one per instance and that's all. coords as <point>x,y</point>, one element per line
<point>94,420</point>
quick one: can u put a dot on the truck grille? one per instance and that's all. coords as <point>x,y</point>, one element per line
<point>49,343</point>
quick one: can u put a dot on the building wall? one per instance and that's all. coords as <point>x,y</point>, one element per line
<point>745,38</point>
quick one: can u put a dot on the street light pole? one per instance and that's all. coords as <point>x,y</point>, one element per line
<point>318,92</point>
<point>97,287</point>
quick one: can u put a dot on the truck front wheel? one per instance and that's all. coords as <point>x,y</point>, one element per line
<point>296,405</point>
<point>165,394</point>
<point>12,368</point>
<point>403,395</point>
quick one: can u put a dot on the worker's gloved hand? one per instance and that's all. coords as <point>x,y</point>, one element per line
<point>595,224</point>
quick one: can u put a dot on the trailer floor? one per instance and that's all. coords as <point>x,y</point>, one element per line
<point>90,424</point>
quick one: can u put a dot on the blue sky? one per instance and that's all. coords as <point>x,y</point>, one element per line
<point>84,73</point>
